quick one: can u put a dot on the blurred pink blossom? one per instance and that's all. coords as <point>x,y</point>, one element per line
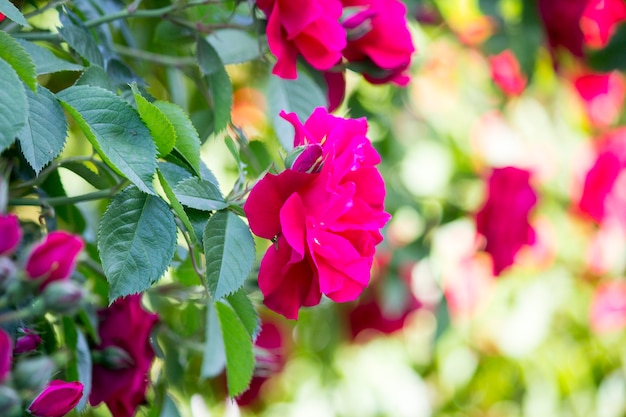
<point>608,307</point>
<point>10,232</point>
<point>506,73</point>
<point>599,20</point>
<point>602,96</point>
<point>6,355</point>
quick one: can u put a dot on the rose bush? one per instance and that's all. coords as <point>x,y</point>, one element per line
<point>324,216</point>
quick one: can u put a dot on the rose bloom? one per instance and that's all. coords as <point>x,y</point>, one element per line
<point>506,73</point>
<point>561,22</point>
<point>57,399</point>
<point>600,19</point>
<point>602,96</point>
<point>6,355</point>
<point>601,197</point>
<point>503,220</point>
<point>54,258</point>
<point>10,232</point>
<point>309,28</point>
<point>324,215</point>
<point>122,386</point>
<point>379,40</point>
<point>608,307</point>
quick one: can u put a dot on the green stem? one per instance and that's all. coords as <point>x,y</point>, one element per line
<point>168,60</point>
<point>15,315</point>
<point>60,201</point>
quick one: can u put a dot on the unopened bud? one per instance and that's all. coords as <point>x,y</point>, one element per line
<point>10,402</point>
<point>306,158</point>
<point>63,297</point>
<point>113,357</point>
<point>357,21</point>
<point>27,343</point>
<point>33,374</point>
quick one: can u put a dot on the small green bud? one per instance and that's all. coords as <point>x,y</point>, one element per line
<point>33,374</point>
<point>63,297</point>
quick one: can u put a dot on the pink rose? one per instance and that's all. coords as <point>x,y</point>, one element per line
<point>10,232</point>
<point>600,19</point>
<point>379,40</point>
<point>602,96</point>
<point>124,326</point>
<point>309,28</point>
<point>54,258</point>
<point>57,399</point>
<point>561,21</point>
<point>325,222</point>
<point>27,343</point>
<point>503,220</point>
<point>6,355</point>
<point>608,307</point>
<point>506,73</point>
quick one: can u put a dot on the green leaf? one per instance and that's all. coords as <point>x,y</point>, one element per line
<point>136,241</point>
<point>229,253</point>
<point>219,83</point>
<point>13,53</point>
<point>243,307</point>
<point>13,105</point>
<point>80,39</point>
<point>300,96</point>
<point>43,136</point>
<point>9,10</point>
<point>239,350</point>
<point>214,358</point>
<point>199,194</point>
<point>95,76</point>
<point>176,206</point>
<point>162,130</point>
<point>116,131</point>
<point>234,46</point>
<point>187,140</point>
<point>84,365</point>
<point>45,61</point>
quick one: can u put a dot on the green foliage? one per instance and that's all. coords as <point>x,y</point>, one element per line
<point>136,241</point>
<point>13,53</point>
<point>13,105</point>
<point>9,10</point>
<point>45,61</point>
<point>199,194</point>
<point>161,128</point>
<point>219,83</point>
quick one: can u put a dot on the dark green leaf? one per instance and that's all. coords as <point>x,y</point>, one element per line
<point>136,241</point>
<point>187,140</point>
<point>15,54</point>
<point>239,350</point>
<point>229,253</point>
<point>214,358</point>
<point>9,10</point>
<point>300,96</point>
<point>45,61</point>
<point>80,39</point>
<point>219,83</point>
<point>43,136</point>
<point>199,194</point>
<point>84,365</point>
<point>116,131</point>
<point>246,312</point>
<point>95,76</point>
<point>234,46</point>
<point>13,105</point>
<point>612,56</point>
<point>176,206</point>
<point>162,130</point>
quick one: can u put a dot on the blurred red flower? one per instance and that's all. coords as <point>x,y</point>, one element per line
<point>506,73</point>
<point>57,399</point>
<point>599,20</point>
<point>6,355</point>
<point>608,307</point>
<point>122,384</point>
<point>324,217</point>
<point>504,218</point>
<point>309,28</point>
<point>10,232</point>
<point>602,96</point>
<point>561,22</point>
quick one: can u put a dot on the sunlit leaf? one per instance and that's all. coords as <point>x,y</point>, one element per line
<point>15,54</point>
<point>13,105</point>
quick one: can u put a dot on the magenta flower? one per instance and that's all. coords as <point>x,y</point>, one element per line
<point>325,223</point>
<point>608,307</point>
<point>503,220</point>
<point>506,73</point>
<point>121,384</point>
<point>6,355</point>
<point>602,96</point>
<point>307,28</point>
<point>10,232</point>
<point>600,19</point>
<point>561,21</point>
<point>379,40</point>
<point>27,343</point>
<point>54,258</point>
<point>57,399</point>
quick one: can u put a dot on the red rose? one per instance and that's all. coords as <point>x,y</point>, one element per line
<point>54,258</point>
<point>503,220</point>
<point>324,219</point>
<point>124,326</point>
<point>599,21</point>
<point>57,399</point>
<point>379,40</point>
<point>10,232</point>
<point>309,28</point>
<point>561,21</point>
<point>6,355</point>
<point>506,73</point>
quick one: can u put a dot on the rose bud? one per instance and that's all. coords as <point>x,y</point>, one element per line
<point>63,297</point>
<point>54,258</point>
<point>57,399</point>
<point>6,355</point>
<point>27,343</point>
<point>10,232</point>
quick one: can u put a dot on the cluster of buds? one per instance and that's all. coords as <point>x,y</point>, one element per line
<point>35,280</point>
